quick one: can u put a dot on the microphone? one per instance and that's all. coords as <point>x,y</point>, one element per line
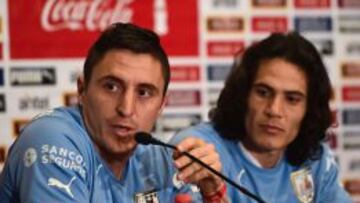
<point>146,139</point>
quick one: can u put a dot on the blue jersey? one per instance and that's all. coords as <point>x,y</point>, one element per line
<point>316,181</point>
<point>54,160</point>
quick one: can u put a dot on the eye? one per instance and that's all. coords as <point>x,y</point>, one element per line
<point>145,92</point>
<point>263,92</point>
<point>111,86</point>
<point>294,99</point>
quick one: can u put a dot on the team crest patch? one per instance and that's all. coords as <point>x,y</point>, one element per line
<point>147,197</point>
<point>303,185</point>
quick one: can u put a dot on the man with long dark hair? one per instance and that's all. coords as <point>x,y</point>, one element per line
<point>270,123</point>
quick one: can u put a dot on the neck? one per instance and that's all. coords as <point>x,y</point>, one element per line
<point>266,158</point>
<point>116,164</point>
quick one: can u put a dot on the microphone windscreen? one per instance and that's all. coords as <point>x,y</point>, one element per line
<point>143,138</point>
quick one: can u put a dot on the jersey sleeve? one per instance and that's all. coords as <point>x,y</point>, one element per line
<point>331,190</point>
<point>46,165</point>
<point>202,131</point>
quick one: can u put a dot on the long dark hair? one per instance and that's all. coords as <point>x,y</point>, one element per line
<point>229,115</point>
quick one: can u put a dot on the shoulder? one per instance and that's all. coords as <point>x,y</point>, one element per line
<point>203,131</point>
<point>326,159</point>
<point>52,138</point>
<point>53,126</point>
<point>51,150</point>
<point>326,175</point>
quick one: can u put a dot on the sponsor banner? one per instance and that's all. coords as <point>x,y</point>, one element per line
<point>29,76</point>
<point>349,24</point>
<point>324,46</point>
<point>348,3</point>
<point>75,24</point>
<point>178,121</point>
<point>312,3</point>
<point>351,116</point>
<point>313,24</point>
<point>225,24</point>
<point>218,72</point>
<point>68,72</point>
<point>18,125</point>
<point>351,140</point>
<point>184,73</point>
<point>70,98</point>
<point>213,5</point>
<point>183,98</point>
<point>269,3</point>
<point>1,77</point>
<point>351,93</point>
<point>225,48</point>
<point>33,101</point>
<point>2,103</point>
<point>352,48</point>
<point>269,24</point>
<point>350,70</point>
<point>352,186</point>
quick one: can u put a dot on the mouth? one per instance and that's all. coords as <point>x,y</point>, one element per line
<point>122,131</point>
<point>271,129</point>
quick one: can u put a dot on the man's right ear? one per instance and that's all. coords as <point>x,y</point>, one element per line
<point>80,88</point>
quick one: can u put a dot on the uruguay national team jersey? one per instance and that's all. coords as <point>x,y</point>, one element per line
<point>54,160</point>
<point>314,182</point>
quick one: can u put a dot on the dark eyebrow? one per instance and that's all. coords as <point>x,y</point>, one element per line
<point>149,86</point>
<point>296,93</point>
<point>291,92</point>
<point>111,78</point>
<point>263,85</point>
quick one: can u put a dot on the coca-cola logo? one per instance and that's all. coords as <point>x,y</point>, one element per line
<point>84,14</point>
<point>76,24</point>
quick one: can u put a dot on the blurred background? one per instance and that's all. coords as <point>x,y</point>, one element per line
<point>43,44</point>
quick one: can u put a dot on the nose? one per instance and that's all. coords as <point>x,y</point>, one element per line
<point>126,104</point>
<point>274,107</point>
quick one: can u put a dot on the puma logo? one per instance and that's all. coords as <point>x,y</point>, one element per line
<point>56,183</point>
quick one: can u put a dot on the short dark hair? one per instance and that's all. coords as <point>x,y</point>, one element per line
<point>229,115</point>
<point>128,37</point>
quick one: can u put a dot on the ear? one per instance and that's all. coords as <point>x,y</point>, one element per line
<point>166,97</point>
<point>81,88</point>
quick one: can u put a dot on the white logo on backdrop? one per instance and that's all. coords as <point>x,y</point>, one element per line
<point>79,15</point>
<point>92,15</point>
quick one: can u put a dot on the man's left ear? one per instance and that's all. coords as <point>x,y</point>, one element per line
<point>166,97</point>
<point>80,88</point>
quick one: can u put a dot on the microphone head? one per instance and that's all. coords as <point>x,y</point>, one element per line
<point>143,138</point>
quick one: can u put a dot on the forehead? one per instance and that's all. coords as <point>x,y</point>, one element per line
<point>283,75</point>
<point>130,66</point>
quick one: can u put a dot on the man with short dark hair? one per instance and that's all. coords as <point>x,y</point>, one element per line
<point>88,153</point>
<point>270,123</point>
